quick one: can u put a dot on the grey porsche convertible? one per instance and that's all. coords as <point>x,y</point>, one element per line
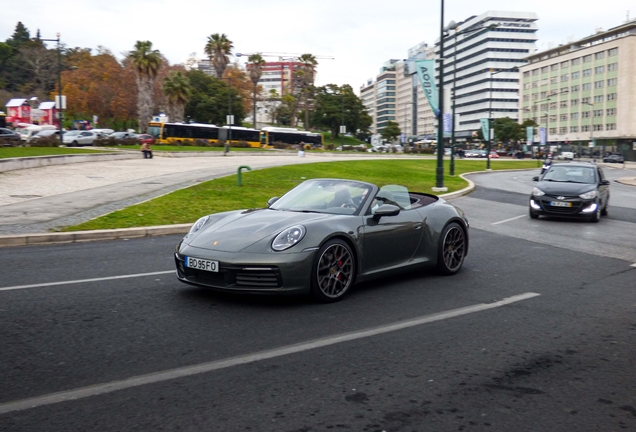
<point>321,237</point>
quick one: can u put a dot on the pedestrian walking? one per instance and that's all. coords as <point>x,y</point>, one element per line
<point>146,150</point>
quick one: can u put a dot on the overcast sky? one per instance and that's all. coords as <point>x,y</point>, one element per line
<point>359,34</point>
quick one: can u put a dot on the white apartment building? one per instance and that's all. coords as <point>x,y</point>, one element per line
<point>585,91</point>
<point>478,57</point>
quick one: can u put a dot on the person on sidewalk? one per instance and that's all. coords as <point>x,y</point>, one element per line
<point>146,150</point>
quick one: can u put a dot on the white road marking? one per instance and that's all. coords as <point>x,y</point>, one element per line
<point>71,282</point>
<point>633,265</point>
<point>152,378</point>
<point>508,220</point>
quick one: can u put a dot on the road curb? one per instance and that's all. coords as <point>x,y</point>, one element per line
<point>94,235</point>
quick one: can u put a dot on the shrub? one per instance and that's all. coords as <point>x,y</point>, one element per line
<point>49,141</point>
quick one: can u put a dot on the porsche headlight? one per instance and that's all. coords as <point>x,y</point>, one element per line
<point>198,224</point>
<point>588,195</point>
<point>288,238</point>
<point>537,192</point>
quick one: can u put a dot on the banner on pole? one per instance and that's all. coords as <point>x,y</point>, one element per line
<point>530,134</point>
<point>485,129</point>
<point>543,138</point>
<point>448,123</point>
<point>426,74</point>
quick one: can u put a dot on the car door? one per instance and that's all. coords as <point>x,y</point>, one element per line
<point>390,241</point>
<point>603,187</point>
<point>85,138</point>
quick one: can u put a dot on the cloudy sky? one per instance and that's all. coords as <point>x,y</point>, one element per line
<point>360,35</point>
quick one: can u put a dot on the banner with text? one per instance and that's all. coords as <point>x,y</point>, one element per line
<point>543,138</point>
<point>530,135</point>
<point>485,130</point>
<point>426,74</point>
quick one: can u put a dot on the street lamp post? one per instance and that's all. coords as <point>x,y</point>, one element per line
<point>591,127</point>
<point>439,178</point>
<point>490,134</point>
<point>342,123</point>
<point>59,105</point>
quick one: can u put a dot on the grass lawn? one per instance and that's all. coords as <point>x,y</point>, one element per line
<point>16,152</point>
<point>222,194</point>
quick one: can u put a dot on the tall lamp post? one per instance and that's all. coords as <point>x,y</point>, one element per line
<point>439,178</point>
<point>490,134</point>
<point>591,127</point>
<point>343,127</point>
<point>59,103</point>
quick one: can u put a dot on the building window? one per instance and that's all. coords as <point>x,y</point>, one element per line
<point>586,86</point>
<point>599,84</point>
<point>587,58</point>
<point>526,98</point>
<point>564,77</point>
<point>563,130</point>
<point>574,116</point>
<point>553,131</point>
<point>598,127</point>
<point>544,94</point>
<point>563,104</point>
<point>598,99</point>
<point>613,52</point>
<point>553,106</point>
<point>544,70</point>
<point>574,88</point>
<point>574,102</point>
<point>612,67</point>
<point>554,67</point>
<point>563,117</point>
<point>610,126</point>
<point>564,65</point>
<point>585,128</point>
<point>599,69</point>
<point>611,111</point>
<point>526,74</point>
<point>553,80</point>
<point>576,61</point>
<point>612,82</point>
<point>599,55</point>
<point>587,72</point>
<point>598,113</point>
<point>611,96</point>
<point>574,129</point>
<point>535,72</point>
<point>585,100</point>
<point>576,75</point>
<point>585,114</point>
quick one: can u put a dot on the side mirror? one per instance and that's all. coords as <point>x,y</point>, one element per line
<point>386,210</point>
<point>605,182</point>
<point>271,201</point>
<point>535,178</point>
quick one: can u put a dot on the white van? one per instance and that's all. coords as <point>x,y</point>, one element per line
<point>28,131</point>
<point>565,156</point>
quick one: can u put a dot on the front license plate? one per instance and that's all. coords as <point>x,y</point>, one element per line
<point>202,264</point>
<point>560,204</point>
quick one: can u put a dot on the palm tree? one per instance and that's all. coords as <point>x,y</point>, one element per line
<point>255,65</point>
<point>308,68</point>
<point>218,48</point>
<point>146,62</point>
<point>178,91</point>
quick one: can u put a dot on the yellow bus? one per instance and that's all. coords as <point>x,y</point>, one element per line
<point>187,133</point>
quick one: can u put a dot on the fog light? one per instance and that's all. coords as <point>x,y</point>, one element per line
<point>590,209</point>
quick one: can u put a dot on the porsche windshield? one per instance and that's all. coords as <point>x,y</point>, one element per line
<point>325,196</point>
<point>570,174</point>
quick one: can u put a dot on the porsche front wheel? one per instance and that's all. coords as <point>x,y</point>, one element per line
<point>333,271</point>
<point>452,249</point>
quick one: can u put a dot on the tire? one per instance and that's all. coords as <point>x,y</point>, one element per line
<point>533,215</point>
<point>604,211</point>
<point>333,272</point>
<point>452,249</point>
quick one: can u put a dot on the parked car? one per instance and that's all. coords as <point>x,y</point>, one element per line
<point>78,138</point>
<point>578,190</point>
<point>9,137</point>
<point>321,237</point>
<point>101,133</point>
<point>614,159</point>
<point>494,155</point>
<point>146,139</point>
<point>475,153</point>
<point>123,135</point>
<point>45,134</point>
<point>565,156</point>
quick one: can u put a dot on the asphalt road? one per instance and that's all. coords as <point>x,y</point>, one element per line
<point>133,349</point>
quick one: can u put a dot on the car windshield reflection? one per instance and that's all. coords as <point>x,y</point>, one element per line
<point>566,174</point>
<point>325,196</point>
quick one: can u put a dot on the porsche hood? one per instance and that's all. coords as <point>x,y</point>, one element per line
<point>241,229</point>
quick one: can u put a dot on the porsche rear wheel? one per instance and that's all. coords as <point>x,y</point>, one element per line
<point>333,271</point>
<point>452,249</point>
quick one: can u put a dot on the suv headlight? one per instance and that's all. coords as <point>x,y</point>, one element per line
<point>288,238</point>
<point>588,195</point>
<point>537,192</point>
